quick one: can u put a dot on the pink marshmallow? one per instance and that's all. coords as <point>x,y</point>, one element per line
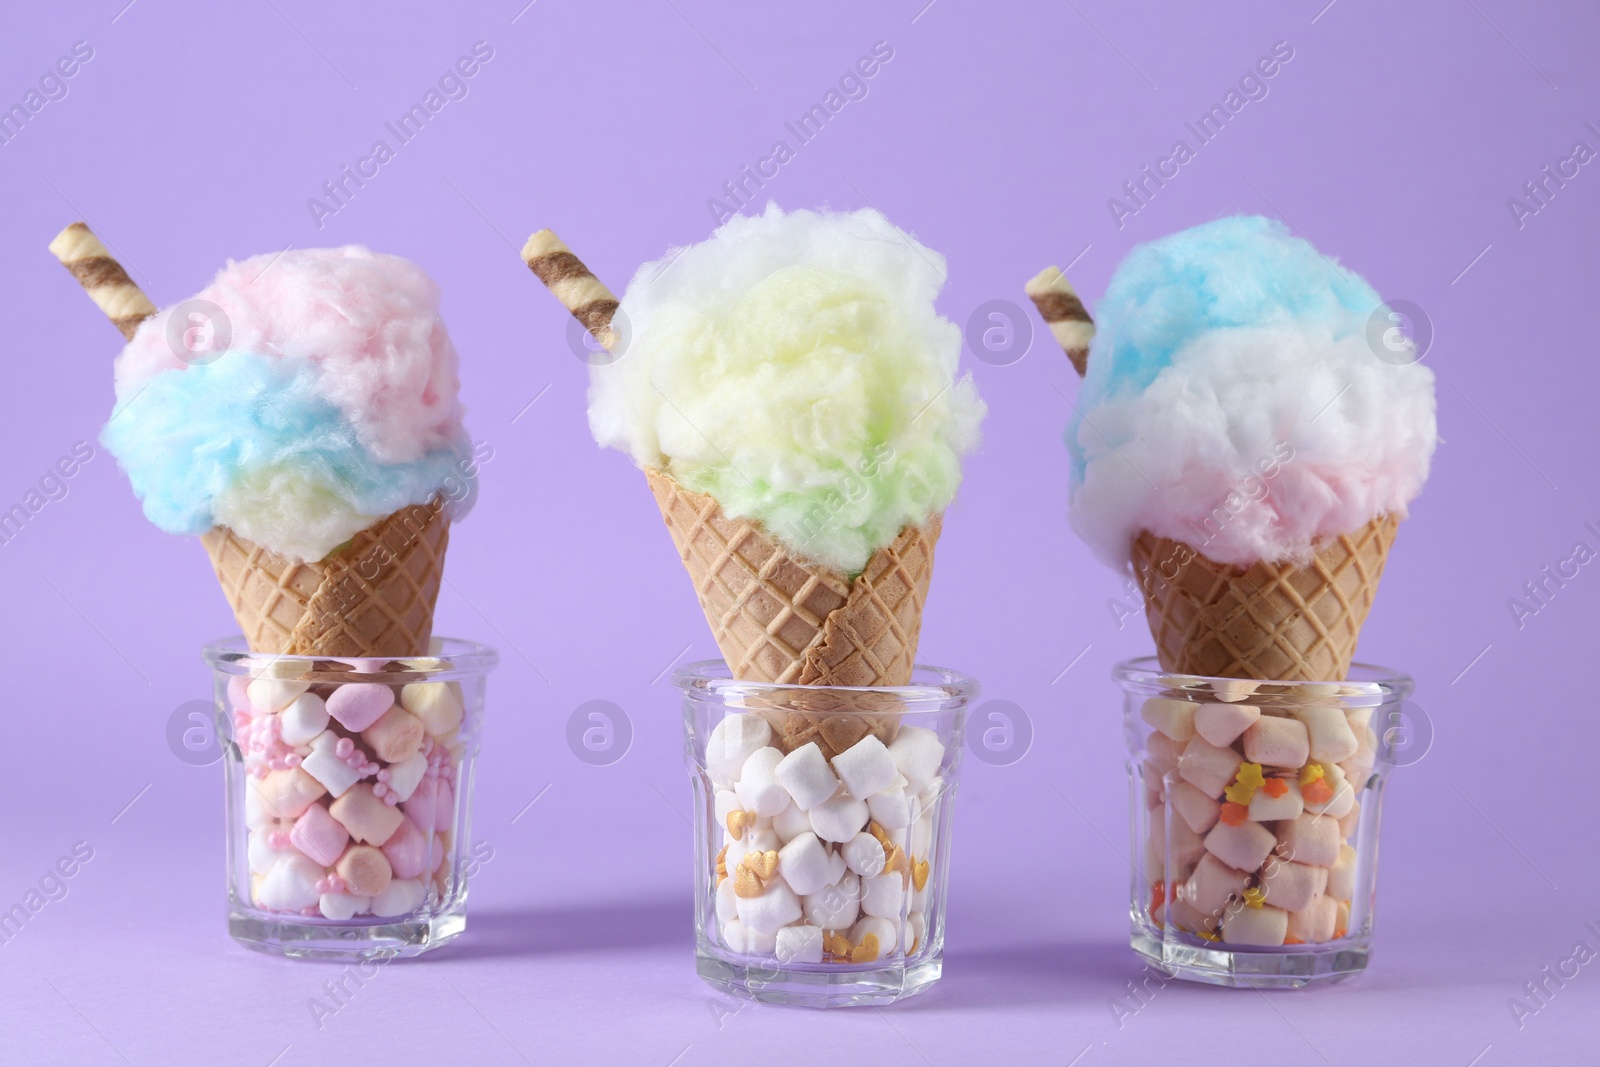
<point>357,705</point>
<point>1241,847</point>
<point>1292,886</point>
<point>1194,807</point>
<point>1221,724</point>
<point>1207,767</point>
<point>238,694</point>
<point>1277,742</point>
<point>1312,839</point>
<point>319,835</point>
<point>432,805</point>
<point>1213,884</point>
<point>1315,922</point>
<point>407,850</point>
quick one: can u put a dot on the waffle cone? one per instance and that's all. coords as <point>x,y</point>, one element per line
<point>779,618</point>
<point>1269,621</point>
<point>374,597</point>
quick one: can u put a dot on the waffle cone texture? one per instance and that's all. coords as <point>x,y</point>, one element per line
<point>374,597</point>
<point>1268,621</point>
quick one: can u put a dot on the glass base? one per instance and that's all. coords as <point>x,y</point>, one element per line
<point>354,940</point>
<point>820,985</point>
<point>1243,968</point>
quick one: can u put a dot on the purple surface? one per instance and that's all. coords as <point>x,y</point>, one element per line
<point>1393,140</point>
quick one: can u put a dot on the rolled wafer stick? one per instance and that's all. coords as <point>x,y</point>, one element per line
<point>1065,314</point>
<point>102,277</point>
<point>579,291</point>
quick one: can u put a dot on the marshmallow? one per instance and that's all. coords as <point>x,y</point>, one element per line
<point>1223,724</point>
<point>1175,718</point>
<point>342,906</point>
<point>745,941</point>
<point>291,884</point>
<point>891,807</point>
<point>807,865</point>
<point>887,933</point>
<point>1312,839</point>
<point>1267,808</point>
<point>437,704</point>
<point>1263,926</point>
<point>758,789</point>
<point>731,742</point>
<point>916,932</point>
<point>1342,875</point>
<point>256,814</point>
<point>799,944</point>
<point>776,907</point>
<point>1241,847</point>
<point>1315,923</point>
<point>369,820</point>
<point>839,819</point>
<point>408,851</point>
<point>1194,807</point>
<point>921,837</point>
<point>806,775</point>
<point>403,778</point>
<point>357,705</point>
<point>864,855</point>
<point>1358,767</point>
<point>790,823</point>
<point>1275,741</point>
<point>727,906</point>
<point>836,906</point>
<point>319,835</point>
<point>270,695</point>
<point>1208,768</point>
<point>239,694</point>
<point>401,896</point>
<point>1184,845</point>
<point>1233,690</point>
<point>1185,916</point>
<point>335,773</point>
<point>432,805</point>
<point>365,870</point>
<point>1161,756</point>
<point>1332,739</point>
<point>397,735</point>
<point>261,853</point>
<point>724,803</point>
<point>286,794</point>
<point>883,895</point>
<point>1212,885</point>
<point>1342,797</point>
<point>303,719</point>
<point>1292,886</point>
<point>917,753</point>
<point>866,767</point>
<point>1350,821</point>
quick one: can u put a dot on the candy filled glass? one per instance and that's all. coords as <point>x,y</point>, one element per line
<point>349,789</point>
<point>1255,821</point>
<point>822,833</point>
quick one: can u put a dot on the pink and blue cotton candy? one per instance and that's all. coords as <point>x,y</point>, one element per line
<point>334,403</point>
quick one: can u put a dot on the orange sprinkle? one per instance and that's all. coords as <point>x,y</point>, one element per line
<point>1234,814</point>
<point>1275,787</point>
<point>1293,941</point>
<point>1317,792</point>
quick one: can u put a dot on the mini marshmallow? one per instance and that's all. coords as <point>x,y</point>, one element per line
<point>397,735</point>
<point>291,884</point>
<point>866,767</point>
<point>917,753</point>
<point>1161,756</point>
<point>1208,768</point>
<point>1312,839</point>
<point>335,773</point>
<point>1155,845</point>
<point>730,743</point>
<point>1350,821</point>
<point>916,932</point>
<point>1342,875</point>
<point>1223,724</point>
<point>369,820</point>
<point>891,807</point>
<point>724,803</point>
<point>1292,886</point>
<point>1233,690</point>
<point>1194,807</point>
<point>437,704</point>
<point>887,933</point>
<point>839,819</point>
<point>1186,846</point>
<point>303,719</point>
<point>239,694</point>
<point>799,944</point>
<point>807,865</point>
<point>1358,768</point>
<point>806,775</point>
<point>727,908</point>
<point>758,789</point>
<point>883,895</point>
<point>776,907</point>
<point>403,778</point>
<point>1342,797</point>
<point>365,870</point>
<point>400,897</point>
<point>256,814</point>
<point>836,906</point>
<point>261,853</point>
<point>286,794</point>
<point>1315,923</point>
<point>407,850</point>
<point>271,695</point>
<point>319,835</point>
<point>921,837</point>
<point>790,823</point>
<point>1212,885</point>
<point>357,705</point>
<point>1261,926</point>
<point>1241,847</point>
<point>741,939</point>
<point>1267,808</point>
<point>1332,739</point>
<point>432,805</point>
<point>1185,916</point>
<point>864,855</point>
<point>342,906</point>
<point>1175,718</point>
<point>1275,741</point>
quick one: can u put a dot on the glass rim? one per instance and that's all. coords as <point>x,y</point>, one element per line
<point>1363,679</point>
<point>457,657</point>
<point>711,679</point>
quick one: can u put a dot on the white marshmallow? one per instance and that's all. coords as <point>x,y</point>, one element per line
<point>1207,767</point>
<point>291,884</point>
<point>727,903</point>
<point>888,933</point>
<point>929,798</point>
<point>1222,724</point>
<point>1245,846</point>
<point>1342,875</point>
<point>799,944</point>
<point>807,777</point>
<point>1175,718</point>
<point>836,906</point>
<point>891,807</point>
<point>1232,690</point>
<point>1332,739</point>
<point>405,776</point>
<point>916,932</point>
<point>839,819</point>
<point>343,905</point>
<point>261,855</point>
<point>1194,807</point>
<point>1358,768</point>
<point>917,753</point>
<point>268,695</point>
<point>403,895</point>
<point>735,852</point>
<point>790,823</point>
<point>1261,926</point>
<point>723,804</point>
<point>758,789</point>
<point>303,719</point>
<point>741,939</point>
<point>335,774</point>
<point>256,814</point>
<point>863,854</point>
<point>921,838</point>
<point>883,895</point>
<point>1343,797</point>
<point>806,864</point>
<point>1266,808</point>
<point>865,767</point>
<point>776,907</point>
<point>730,743</point>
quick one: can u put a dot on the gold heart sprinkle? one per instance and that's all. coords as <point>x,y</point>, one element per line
<point>745,883</point>
<point>867,951</point>
<point>737,821</point>
<point>919,875</point>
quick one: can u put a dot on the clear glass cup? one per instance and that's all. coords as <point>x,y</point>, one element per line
<point>1255,821</point>
<point>822,833</point>
<point>349,789</point>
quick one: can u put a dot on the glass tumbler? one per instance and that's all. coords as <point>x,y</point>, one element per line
<point>1255,821</point>
<point>349,788</point>
<point>822,833</point>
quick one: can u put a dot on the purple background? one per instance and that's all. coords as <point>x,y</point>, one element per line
<point>996,134</point>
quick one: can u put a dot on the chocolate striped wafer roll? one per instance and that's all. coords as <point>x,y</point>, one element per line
<point>579,291</point>
<point>1065,314</point>
<point>102,277</point>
